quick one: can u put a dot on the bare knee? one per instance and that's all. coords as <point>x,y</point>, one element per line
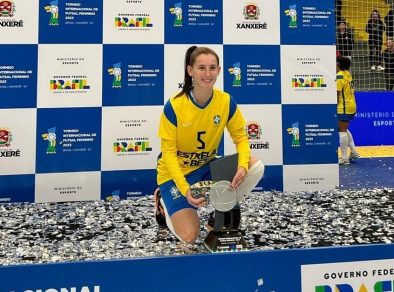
<point>188,235</point>
<point>186,225</point>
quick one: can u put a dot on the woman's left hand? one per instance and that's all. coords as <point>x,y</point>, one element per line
<point>239,177</point>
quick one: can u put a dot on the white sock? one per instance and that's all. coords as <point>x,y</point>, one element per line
<point>254,175</point>
<point>168,220</point>
<point>351,142</point>
<point>343,144</point>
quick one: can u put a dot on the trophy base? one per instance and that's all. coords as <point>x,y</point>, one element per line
<point>225,241</point>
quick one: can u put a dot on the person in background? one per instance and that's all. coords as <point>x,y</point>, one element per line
<point>388,58</point>
<point>346,110</point>
<point>338,11</point>
<point>375,28</point>
<point>344,40</point>
<point>191,128</point>
<point>389,21</point>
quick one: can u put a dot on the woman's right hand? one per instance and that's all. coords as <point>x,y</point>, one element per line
<point>194,202</point>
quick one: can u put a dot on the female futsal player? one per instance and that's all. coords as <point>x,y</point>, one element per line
<point>191,127</point>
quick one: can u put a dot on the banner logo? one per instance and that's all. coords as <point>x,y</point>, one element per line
<point>177,11</point>
<point>295,132</point>
<point>292,13</point>
<point>251,12</point>
<point>236,71</point>
<point>51,138</point>
<point>308,81</point>
<point>68,84</point>
<point>7,9</point>
<point>114,197</point>
<point>53,9</point>
<point>138,146</point>
<point>130,22</point>
<point>116,70</point>
<point>254,131</point>
<point>5,137</point>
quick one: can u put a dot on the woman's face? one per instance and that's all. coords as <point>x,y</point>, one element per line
<point>375,15</point>
<point>204,71</point>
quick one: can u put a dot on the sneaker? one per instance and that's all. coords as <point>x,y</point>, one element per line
<point>380,68</point>
<point>159,210</point>
<point>344,161</point>
<point>354,156</point>
<point>373,68</point>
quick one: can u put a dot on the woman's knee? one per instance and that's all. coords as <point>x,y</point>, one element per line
<point>186,225</point>
<point>188,235</point>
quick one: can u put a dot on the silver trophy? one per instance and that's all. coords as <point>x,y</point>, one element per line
<point>225,234</point>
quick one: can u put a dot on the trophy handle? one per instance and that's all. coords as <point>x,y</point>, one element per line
<point>227,221</point>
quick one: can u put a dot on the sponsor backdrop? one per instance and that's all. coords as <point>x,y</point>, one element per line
<point>365,268</point>
<point>374,123</point>
<point>83,83</point>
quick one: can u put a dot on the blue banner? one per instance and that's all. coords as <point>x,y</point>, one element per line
<point>310,135</point>
<point>264,271</point>
<point>252,73</point>
<point>18,76</point>
<point>71,22</point>
<point>193,22</point>
<point>133,75</point>
<point>304,22</point>
<point>68,140</point>
<point>374,121</point>
<point>127,184</point>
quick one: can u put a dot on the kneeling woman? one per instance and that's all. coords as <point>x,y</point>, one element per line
<point>191,127</point>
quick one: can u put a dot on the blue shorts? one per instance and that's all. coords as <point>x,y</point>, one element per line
<point>172,197</point>
<point>345,117</point>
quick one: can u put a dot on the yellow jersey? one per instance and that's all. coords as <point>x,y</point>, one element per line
<point>346,98</point>
<point>190,135</point>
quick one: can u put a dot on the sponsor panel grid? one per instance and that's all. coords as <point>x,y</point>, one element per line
<point>83,84</point>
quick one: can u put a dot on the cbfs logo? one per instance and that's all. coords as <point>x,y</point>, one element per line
<point>254,131</point>
<point>295,132</point>
<point>236,71</point>
<point>216,120</point>
<point>50,136</point>
<point>133,22</point>
<point>175,193</point>
<point>53,9</point>
<point>116,71</point>
<point>177,11</point>
<point>5,137</point>
<point>292,13</point>
<point>381,286</point>
<point>7,9</point>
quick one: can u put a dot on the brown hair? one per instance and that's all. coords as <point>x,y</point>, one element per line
<point>190,57</point>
